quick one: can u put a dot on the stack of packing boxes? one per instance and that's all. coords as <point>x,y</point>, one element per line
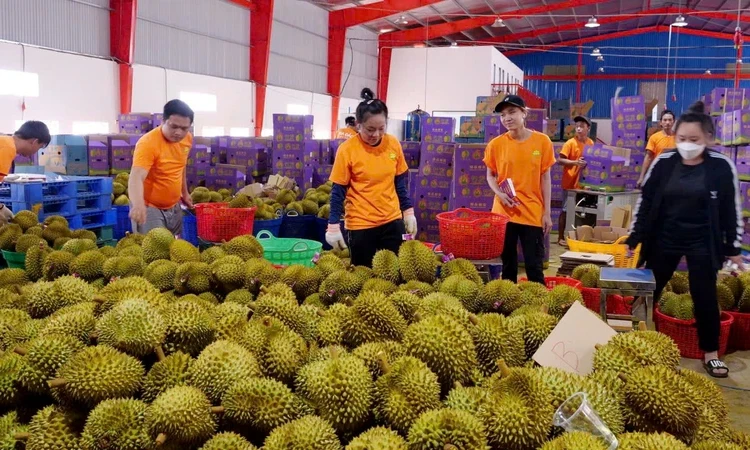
<point>121,150</point>
<point>65,154</point>
<point>607,168</point>
<point>199,163</point>
<point>745,198</point>
<point>292,136</point>
<point>557,202</point>
<point>438,130</point>
<point>433,187</point>
<point>535,120</point>
<point>135,123</point>
<point>629,129</point>
<point>470,188</point>
<point>411,153</point>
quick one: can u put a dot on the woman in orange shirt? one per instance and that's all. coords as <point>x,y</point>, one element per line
<point>349,131</point>
<point>371,175</point>
<point>658,142</point>
<point>525,157</point>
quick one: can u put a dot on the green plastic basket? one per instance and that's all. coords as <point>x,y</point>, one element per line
<point>15,260</point>
<point>288,251</point>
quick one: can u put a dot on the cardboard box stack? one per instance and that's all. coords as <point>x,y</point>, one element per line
<point>607,169</point>
<point>629,132</point>
<point>292,137</point>
<point>411,153</point>
<point>433,187</point>
<point>470,188</point>
<point>727,100</point>
<point>121,149</point>
<point>493,127</point>
<point>438,129</point>
<point>65,154</point>
<point>136,123</point>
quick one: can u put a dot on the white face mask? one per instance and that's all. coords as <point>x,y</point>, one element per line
<point>690,150</point>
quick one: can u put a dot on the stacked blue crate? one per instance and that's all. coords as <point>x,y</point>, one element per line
<point>52,198</point>
<point>94,205</point>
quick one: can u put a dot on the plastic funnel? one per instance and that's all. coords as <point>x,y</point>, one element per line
<point>576,414</point>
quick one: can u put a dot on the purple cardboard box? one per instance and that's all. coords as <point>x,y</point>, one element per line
<point>437,166</point>
<point>430,149</point>
<point>199,171</point>
<point>335,144</point>
<point>745,195</point>
<point>639,125</point>
<point>627,101</point>
<point>535,120</point>
<point>735,99</point>
<point>743,169</point>
<point>434,182</point>
<point>32,161</point>
<point>429,231</point>
<point>741,127</point>
<point>135,123</point>
<point>475,203</point>
<point>439,128</point>
<point>743,155</point>
<point>727,128</point>
<point>627,109</point>
<point>287,127</point>
<point>471,127</point>
<point>157,119</point>
<point>468,153</point>
<point>324,171</point>
<point>493,127</point>
<point>429,201</point>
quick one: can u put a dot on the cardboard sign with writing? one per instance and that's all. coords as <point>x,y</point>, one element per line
<point>570,346</point>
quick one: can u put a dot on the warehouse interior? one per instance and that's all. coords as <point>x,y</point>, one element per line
<point>236,315</point>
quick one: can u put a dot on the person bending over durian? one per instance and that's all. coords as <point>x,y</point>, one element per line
<point>371,175</point>
<point>689,206</point>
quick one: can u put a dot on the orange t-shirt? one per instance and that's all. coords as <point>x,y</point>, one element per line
<point>7,155</point>
<point>369,172</point>
<point>165,162</point>
<point>573,150</point>
<point>346,133</point>
<point>524,163</point>
<point>658,142</point>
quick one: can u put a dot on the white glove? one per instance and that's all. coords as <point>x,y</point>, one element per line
<point>410,222</point>
<point>334,237</point>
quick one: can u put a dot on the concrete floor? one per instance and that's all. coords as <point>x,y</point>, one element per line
<point>736,387</point>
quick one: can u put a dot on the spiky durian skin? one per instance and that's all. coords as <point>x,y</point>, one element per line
<point>463,267</point>
<point>116,423</point>
<point>725,296</point>
<point>156,244</point>
<point>9,426</point>
<point>372,352</point>
<point>183,413</point>
<point>219,366</point>
<point>372,318</point>
<point>378,438</point>
<point>417,262</point>
<point>88,265</point>
<point>536,328</point>
<point>55,427</point>
<point>308,433</point>
<point>165,374</point>
<point>445,346</point>
<point>643,441</point>
<point>435,429</point>
<point>133,327</point>
<point>44,356</point>
<point>285,351</point>
<point>99,373</point>
<point>10,374</point>
<point>228,441</point>
<point>161,273</point>
<point>57,264</point>
<point>35,257</point>
<point>469,399</point>
<point>246,247</point>
<point>499,295</point>
<point>406,391</point>
<point>77,324</point>
<point>181,251</point>
<point>26,241</point>
<point>190,328</point>
<point>575,440</point>
<point>262,404</point>
<point>353,386</point>
<point>386,266</point>
<point>716,445</point>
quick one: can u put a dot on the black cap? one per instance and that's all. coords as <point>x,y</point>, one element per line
<point>510,100</point>
<point>582,119</point>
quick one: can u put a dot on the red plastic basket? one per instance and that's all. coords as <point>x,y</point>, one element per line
<point>217,222</point>
<point>469,234</point>
<point>685,334</point>
<point>616,304</point>
<point>739,338</point>
<point>551,282</point>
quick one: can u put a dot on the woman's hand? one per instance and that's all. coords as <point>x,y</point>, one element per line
<point>736,263</point>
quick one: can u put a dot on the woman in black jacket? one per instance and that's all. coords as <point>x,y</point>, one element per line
<point>690,207</point>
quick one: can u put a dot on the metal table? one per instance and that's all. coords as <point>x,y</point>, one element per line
<point>628,282</point>
<point>631,197</point>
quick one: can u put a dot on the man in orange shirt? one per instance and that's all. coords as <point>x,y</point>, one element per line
<point>658,142</point>
<point>571,157</point>
<point>349,131</point>
<point>524,157</point>
<point>29,139</point>
<point>158,178</point>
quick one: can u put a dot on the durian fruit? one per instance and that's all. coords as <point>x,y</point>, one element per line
<point>11,393</point>
<point>725,296</point>
<point>262,404</point>
<point>445,346</point>
<point>55,231</point>
<point>330,329</point>
<point>240,201</point>
<point>156,244</point>
<point>377,438</point>
<point>406,389</point>
<point>715,445</point>
<point>324,212</point>
<point>680,283</point>
<point>240,296</point>
<point>285,351</point>
<point>385,264</point>
<point>294,207</point>
<point>463,289</point>
<point>352,386</point>
<point>214,197</point>
<point>734,284</point>
<point>562,298</point>
<point>646,348</point>
<point>282,308</point>
<point>35,257</point>
<point>743,305</point>
<point>108,251</point>
<point>182,251</point>
<point>679,307</point>
<point>118,188</point>
<point>417,262</point>
<point>219,366</point>
<point>228,273</point>
<point>440,303</point>
<point>575,440</point>
<point>496,338</point>
<point>587,274</point>
<point>309,207</point>
<point>116,423</point>
<point>212,254</point>
<point>60,242</point>
<point>96,374</point>
<point>304,281</point>
<point>134,327</point>
<point>190,328</point>
<point>439,429</point>
<point>245,246</point>
<point>341,286</point>
<point>36,230</point>
<point>9,234</point>
<point>373,353</point>
<point>13,277</point>
<point>417,288</point>
<point>463,267</point>
<point>55,427</point>
<point>131,250</point>
<point>160,273</point>
<point>165,374</point>
<point>25,219</point>
<point>57,264</point>
<point>641,441</point>
<point>259,273</point>
<point>78,246</point>
<point>121,200</point>
<point>123,267</point>
<point>309,433</point>
<point>89,265</point>
<point>26,241</point>
<point>372,318</point>
<point>379,285</point>
<point>193,277</point>
<point>536,327</point>
<point>499,295</point>
<point>10,428</point>
<point>329,263</point>
<point>44,298</point>
<point>181,415</point>
<point>200,196</point>
<point>469,399</point>
<point>228,441</point>
<point>406,303</point>
<point>43,356</point>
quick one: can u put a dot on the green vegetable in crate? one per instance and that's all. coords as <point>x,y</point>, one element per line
<point>118,189</point>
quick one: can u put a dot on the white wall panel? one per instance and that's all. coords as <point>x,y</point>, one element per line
<point>278,100</point>
<point>360,62</point>
<point>79,27</point>
<point>299,46</point>
<point>209,37</point>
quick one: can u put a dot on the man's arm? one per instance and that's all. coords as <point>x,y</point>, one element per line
<point>646,164</point>
<point>135,191</point>
<point>186,199</point>
<point>547,198</point>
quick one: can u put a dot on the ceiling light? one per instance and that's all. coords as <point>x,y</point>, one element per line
<point>402,20</point>
<point>600,58</point>
<point>708,71</point>
<point>498,23</point>
<point>680,21</point>
<point>386,30</point>
<point>592,23</point>
<point>596,52</point>
<point>419,45</point>
<point>454,44</point>
<point>601,69</point>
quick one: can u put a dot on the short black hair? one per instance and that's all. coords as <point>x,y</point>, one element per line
<point>34,129</point>
<point>370,105</point>
<point>665,112</point>
<point>178,108</point>
<point>697,114</point>
<point>351,121</point>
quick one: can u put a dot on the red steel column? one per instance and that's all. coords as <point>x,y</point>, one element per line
<point>122,18</point>
<point>580,74</point>
<point>336,44</point>
<point>384,71</point>
<point>261,21</point>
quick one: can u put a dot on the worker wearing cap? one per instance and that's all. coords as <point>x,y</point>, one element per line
<point>29,139</point>
<point>349,131</point>
<point>658,142</point>
<point>158,180</point>
<point>571,157</point>
<point>524,157</point>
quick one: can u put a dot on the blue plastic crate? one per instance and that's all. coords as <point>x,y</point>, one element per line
<point>190,228</point>
<point>92,185</point>
<point>33,193</point>
<point>98,219</point>
<point>49,207</point>
<point>123,224</point>
<point>299,227</point>
<point>104,233</point>
<point>94,202</point>
<point>273,226</point>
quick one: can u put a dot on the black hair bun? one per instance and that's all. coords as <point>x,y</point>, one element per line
<point>367,94</point>
<point>698,107</point>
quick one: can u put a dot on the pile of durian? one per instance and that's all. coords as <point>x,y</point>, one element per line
<point>154,344</point>
<point>120,189</point>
